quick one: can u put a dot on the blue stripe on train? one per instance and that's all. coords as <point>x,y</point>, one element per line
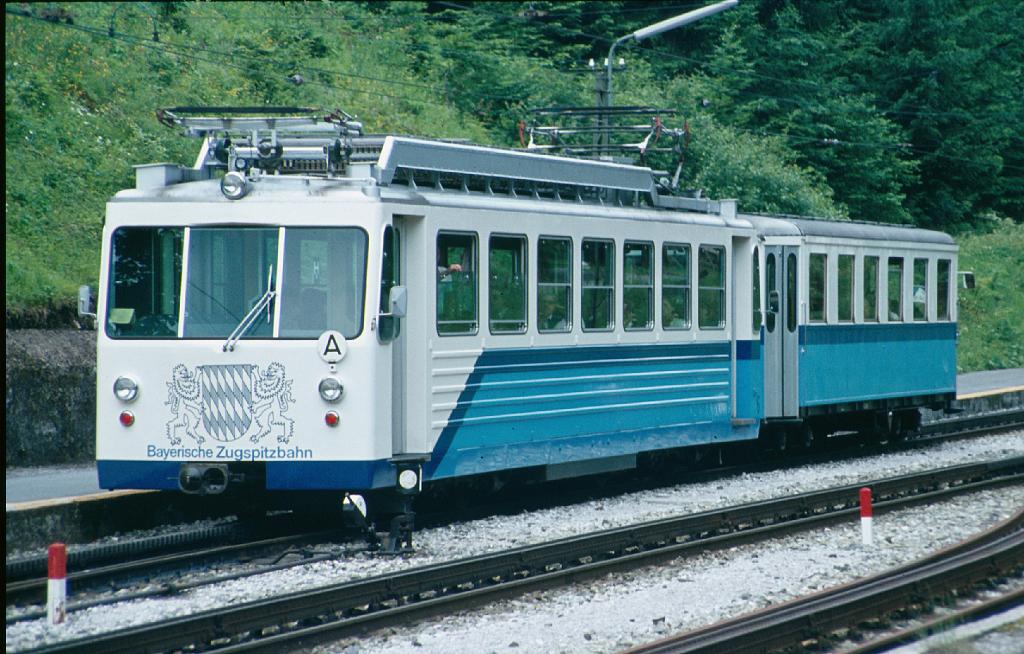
<point>285,475</point>
<point>312,475</point>
<point>539,406</point>
<point>157,475</point>
<point>862,362</point>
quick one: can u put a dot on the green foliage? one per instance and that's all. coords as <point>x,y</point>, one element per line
<point>904,111</point>
<point>756,171</point>
<point>992,314</point>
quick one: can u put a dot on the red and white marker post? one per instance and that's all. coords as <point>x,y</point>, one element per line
<point>57,586</point>
<point>865,516</point>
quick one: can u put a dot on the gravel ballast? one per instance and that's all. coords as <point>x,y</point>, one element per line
<point>634,607</point>
<point>628,609</point>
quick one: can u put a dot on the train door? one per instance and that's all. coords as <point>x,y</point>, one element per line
<point>393,273</point>
<point>781,339</point>
<point>410,347</point>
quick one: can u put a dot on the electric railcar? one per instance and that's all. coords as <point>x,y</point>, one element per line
<point>311,309</point>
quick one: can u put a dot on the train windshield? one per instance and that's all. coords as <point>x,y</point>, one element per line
<point>227,271</point>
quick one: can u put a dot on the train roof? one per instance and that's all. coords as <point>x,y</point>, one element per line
<point>324,153</point>
<point>331,153</point>
<point>776,225</point>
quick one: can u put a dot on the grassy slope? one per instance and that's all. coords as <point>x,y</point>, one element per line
<point>992,313</point>
<point>80,114</point>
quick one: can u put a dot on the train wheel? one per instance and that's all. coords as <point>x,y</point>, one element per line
<point>777,438</point>
<point>808,436</point>
<point>897,430</point>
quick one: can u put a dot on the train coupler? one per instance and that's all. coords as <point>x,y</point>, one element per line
<point>409,482</point>
<point>353,507</point>
<point>399,539</point>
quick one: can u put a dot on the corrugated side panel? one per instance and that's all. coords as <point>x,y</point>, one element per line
<point>527,407</point>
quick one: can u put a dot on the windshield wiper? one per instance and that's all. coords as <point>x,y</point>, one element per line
<point>250,318</point>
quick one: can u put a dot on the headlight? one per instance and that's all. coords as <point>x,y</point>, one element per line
<point>331,389</point>
<point>408,479</point>
<point>126,389</point>
<point>234,185</point>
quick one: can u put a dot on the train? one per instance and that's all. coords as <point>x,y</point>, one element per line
<point>309,311</point>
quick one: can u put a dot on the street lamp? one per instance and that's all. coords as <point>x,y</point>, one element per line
<point>658,28</point>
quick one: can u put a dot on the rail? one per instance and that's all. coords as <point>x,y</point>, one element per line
<point>995,552</point>
<point>354,607</point>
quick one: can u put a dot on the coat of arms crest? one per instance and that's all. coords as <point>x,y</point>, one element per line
<point>228,402</point>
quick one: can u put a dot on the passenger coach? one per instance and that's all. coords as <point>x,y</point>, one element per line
<point>859,329</point>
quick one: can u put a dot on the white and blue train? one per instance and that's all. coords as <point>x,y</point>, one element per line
<point>311,309</point>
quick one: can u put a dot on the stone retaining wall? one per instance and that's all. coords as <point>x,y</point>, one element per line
<point>50,411</point>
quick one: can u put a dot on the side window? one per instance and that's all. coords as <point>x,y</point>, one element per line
<point>845,288</point>
<point>388,327</point>
<point>638,286</point>
<point>895,289</point>
<point>554,285</point>
<point>711,287</point>
<point>942,296</point>
<point>870,289</point>
<point>920,289</point>
<point>773,295</point>
<point>755,289</point>
<point>791,292</point>
<point>456,283</point>
<point>507,283</point>
<point>675,286</point>
<point>818,288</point>
<point>598,285</point>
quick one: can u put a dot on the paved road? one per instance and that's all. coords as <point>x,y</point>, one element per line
<point>975,382</point>
<point>27,484</point>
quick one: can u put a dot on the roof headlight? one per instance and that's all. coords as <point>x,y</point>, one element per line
<point>331,389</point>
<point>125,389</point>
<point>234,185</point>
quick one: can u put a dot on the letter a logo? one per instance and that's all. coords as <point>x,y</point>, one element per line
<point>331,346</point>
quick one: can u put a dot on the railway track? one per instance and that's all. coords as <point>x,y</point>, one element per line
<point>985,609</point>
<point>345,609</point>
<point>30,571</point>
<point>118,566</point>
<point>807,622</point>
<point>266,554</point>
